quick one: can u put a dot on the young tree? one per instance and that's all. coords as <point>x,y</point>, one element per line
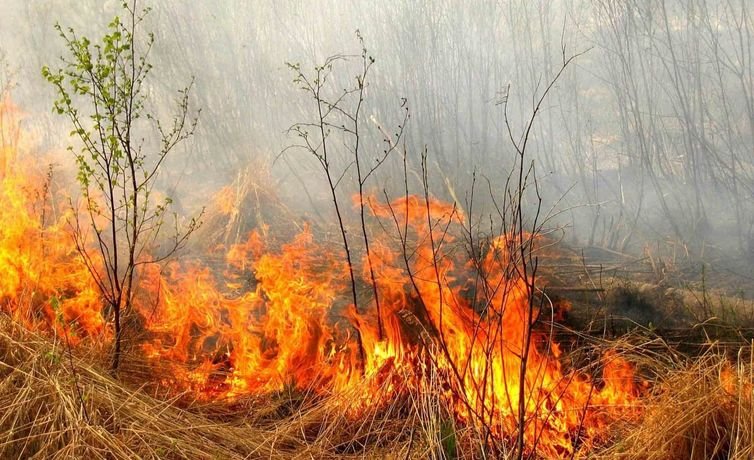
<point>341,114</point>
<point>101,90</point>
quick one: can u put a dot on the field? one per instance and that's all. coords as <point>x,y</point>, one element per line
<point>502,243</point>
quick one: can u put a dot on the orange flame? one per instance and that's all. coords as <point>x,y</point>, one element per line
<point>43,280</point>
<point>276,317</point>
<point>294,325</point>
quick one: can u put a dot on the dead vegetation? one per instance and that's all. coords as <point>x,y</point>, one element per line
<point>62,403</point>
<point>58,405</point>
<point>700,408</point>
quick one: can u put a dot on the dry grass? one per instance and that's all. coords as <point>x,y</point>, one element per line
<point>52,411</point>
<point>249,203</point>
<point>700,408</point>
<point>697,408</point>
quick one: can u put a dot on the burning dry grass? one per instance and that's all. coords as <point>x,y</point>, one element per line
<point>282,368</point>
<point>62,405</point>
<point>702,408</point>
<point>58,404</point>
<point>51,411</point>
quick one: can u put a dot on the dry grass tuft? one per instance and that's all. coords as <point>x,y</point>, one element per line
<point>699,409</point>
<point>62,405</point>
<point>49,411</point>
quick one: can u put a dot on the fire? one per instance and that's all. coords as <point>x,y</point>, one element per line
<point>43,280</point>
<point>294,325</point>
<point>280,315</point>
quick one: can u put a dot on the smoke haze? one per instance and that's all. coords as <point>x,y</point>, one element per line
<point>646,137</point>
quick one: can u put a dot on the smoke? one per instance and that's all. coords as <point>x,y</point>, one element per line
<point>647,137</point>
